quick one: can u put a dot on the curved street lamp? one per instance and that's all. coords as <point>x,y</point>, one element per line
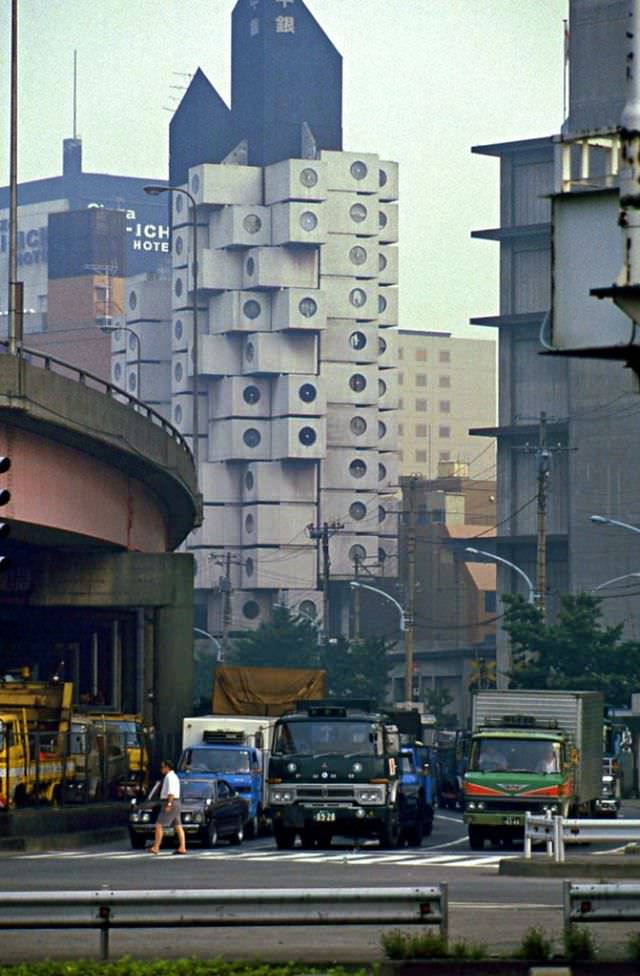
<point>499,559</point>
<point>408,658</point>
<point>374,589</point>
<point>616,579</point>
<point>601,520</point>
<point>155,191</point>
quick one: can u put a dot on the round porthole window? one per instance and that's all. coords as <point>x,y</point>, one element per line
<point>178,244</point>
<point>382,261</point>
<point>358,425</point>
<point>195,183</point>
<point>248,566</point>
<point>178,372</point>
<point>249,523</point>
<point>251,610</point>
<point>382,388</point>
<point>357,255</point>
<point>358,297</point>
<point>178,414</point>
<point>382,513</point>
<point>133,342</point>
<point>357,554</point>
<point>357,382</point>
<point>308,177</point>
<point>382,555</point>
<point>307,436</point>
<point>249,481</point>
<point>357,468</point>
<point>249,352</point>
<point>251,394</point>
<point>117,372</point>
<point>132,382</point>
<point>177,329</point>
<point>307,392</point>
<point>382,429</point>
<point>307,307</point>
<point>382,219</point>
<point>308,609</point>
<point>250,266</point>
<point>382,347</point>
<point>308,220</point>
<point>382,472</point>
<point>133,300</point>
<point>382,177</point>
<point>178,287</point>
<point>358,212</point>
<point>251,437</point>
<point>359,170</point>
<point>357,340</point>
<point>251,309</point>
<point>382,304</point>
<point>252,223</point>
<point>179,202</point>
<point>357,511</point>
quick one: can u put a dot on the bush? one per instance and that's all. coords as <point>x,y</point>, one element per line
<point>633,947</point>
<point>403,945</point>
<point>580,944</point>
<point>535,946</point>
<point>468,950</point>
<point>176,967</point>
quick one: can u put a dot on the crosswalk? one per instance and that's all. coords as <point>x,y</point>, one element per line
<point>358,858</point>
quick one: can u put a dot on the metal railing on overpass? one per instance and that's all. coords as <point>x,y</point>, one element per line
<point>556,832</point>
<point>94,382</point>
<point>108,910</point>
<point>599,903</point>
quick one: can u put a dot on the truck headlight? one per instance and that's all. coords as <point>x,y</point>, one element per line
<point>369,794</point>
<point>292,768</point>
<point>134,817</point>
<point>145,818</point>
<point>283,795</point>
<point>471,805</point>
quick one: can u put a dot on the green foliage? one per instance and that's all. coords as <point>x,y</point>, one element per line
<point>468,950</point>
<point>358,668</point>
<point>406,945</point>
<point>576,652</point>
<point>633,947</point>
<point>580,944</point>
<point>535,946</point>
<point>286,641</point>
<point>437,701</point>
<point>175,967</point>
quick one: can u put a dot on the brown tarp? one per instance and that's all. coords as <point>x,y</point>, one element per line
<point>264,691</point>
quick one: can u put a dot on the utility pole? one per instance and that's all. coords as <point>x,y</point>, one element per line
<point>226,606</point>
<point>356,601</point>
<point>321,535</point>
<point>410,600</point>
<point>542,464</point>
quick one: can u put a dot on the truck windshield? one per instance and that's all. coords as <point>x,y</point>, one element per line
<point>213,760</point>
<point>317,736</point>
<point>490,755</point>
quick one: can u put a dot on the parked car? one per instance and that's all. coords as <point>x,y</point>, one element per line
<point>211,809</point>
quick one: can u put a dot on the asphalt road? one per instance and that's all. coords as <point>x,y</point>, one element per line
<point>484,906</point>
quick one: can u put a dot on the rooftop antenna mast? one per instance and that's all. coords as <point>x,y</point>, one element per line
<point>75,93</point>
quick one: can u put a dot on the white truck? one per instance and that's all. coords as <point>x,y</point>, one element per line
<point>235,748</point>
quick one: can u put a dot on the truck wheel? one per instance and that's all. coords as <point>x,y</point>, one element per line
<point>476,838</point>
<point>210,835</point>
<point>308,838</point>
<point>415,834</point>
<point>251,828</point>
<point>284,838</point>
<point>390,835</point>
<point>137,841</point>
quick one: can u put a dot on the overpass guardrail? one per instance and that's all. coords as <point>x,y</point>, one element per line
<point>556,832</point>
<point>603,902</point>
<point>108,910</point>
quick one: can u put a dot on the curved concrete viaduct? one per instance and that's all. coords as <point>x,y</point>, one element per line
<point>102,490</point>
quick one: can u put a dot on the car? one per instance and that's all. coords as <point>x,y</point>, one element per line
<point>211,809</point>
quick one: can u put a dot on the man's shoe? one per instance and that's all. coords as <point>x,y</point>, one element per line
<point>179,852</point>
<point>153,850</point>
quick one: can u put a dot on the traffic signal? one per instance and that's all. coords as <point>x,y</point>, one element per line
<point>5,498</point>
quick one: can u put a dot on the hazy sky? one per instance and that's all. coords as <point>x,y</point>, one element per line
<point>424,80</point>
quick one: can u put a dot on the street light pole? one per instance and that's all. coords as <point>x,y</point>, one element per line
<point>155,191</point>
<point>616,579</point>
<point>408,662</point>
<point>499,559</point>
<point>601,520</point>
<point>112,330</point>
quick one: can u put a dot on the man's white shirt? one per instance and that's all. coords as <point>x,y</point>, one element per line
<point>170,786</point>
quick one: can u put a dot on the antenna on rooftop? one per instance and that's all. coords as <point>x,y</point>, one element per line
<point>75,93</point>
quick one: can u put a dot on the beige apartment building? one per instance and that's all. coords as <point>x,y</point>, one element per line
<point>446,386</point>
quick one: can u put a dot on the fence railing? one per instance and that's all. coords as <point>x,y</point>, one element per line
<point>604,902</point>
<point>107,910</point>
<point>556,832</point>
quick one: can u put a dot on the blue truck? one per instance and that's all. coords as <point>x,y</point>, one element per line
<point>233,748</point>
<point>417,767</point>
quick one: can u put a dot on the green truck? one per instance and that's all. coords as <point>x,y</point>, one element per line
<point>536,751</point>
<point>335,770</point>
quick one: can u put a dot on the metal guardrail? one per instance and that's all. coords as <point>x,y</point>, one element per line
<point>556,832</point>
<point>600,903</point>
<point>107,910</point>
<point>82,376</point>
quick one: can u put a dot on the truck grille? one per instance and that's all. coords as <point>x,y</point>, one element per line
<point>328,793</point>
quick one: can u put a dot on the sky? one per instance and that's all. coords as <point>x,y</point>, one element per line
<point>424,81</point>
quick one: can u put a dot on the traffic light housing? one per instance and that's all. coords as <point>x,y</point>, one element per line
<point>5,498</point>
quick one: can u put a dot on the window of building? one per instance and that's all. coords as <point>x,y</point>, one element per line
<point>421,355</point>
<point>421,406</point>
<point>445,406</point>
<point>444,431</point>
<point>444,382</point>
<point>421,457</point>
<point>490,604</point>
<point>444,456</point>
<point>444,356</point>
<point>421,379</point>
<point>421,430</point>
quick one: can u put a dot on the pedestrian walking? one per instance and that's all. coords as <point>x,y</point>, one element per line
<point>169,815</point>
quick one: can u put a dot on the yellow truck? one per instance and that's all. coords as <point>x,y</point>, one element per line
<point>119,731</point>
<point>35,719</point>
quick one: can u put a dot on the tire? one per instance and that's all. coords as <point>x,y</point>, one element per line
<point>285,838</point>
<point>415,834</point>
<point>476,838</point>
<point>308,838</point>
<point>251,828</point>
<point>210,835</point>
<point>137,841</point>
<point>238,835</point>
<point>390,836</point>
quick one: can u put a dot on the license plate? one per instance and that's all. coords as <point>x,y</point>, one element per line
<point>324,816</point>
<point>513,821</point>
